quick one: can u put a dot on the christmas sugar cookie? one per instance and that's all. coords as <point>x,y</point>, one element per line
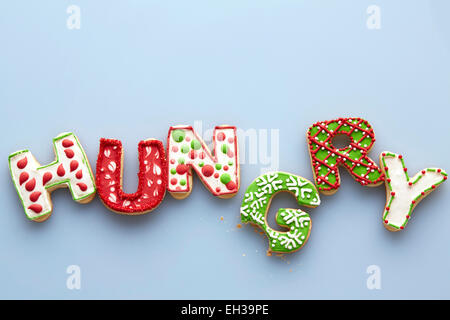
<point>152,177</point>
<point>403,193</point>
<point>219,170</point>
<point>325,158</point>
<point>256,204</point>
<point>34,182</point>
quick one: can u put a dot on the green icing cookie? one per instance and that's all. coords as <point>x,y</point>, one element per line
<point>255,206</point>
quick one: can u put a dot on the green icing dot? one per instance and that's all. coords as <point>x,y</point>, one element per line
<point>181,160</point>
<point>195,144</point>
<point>230,163</point>
<point>173,171</point>
<point>183,182</point>
<point>178,135</point>
<point>225,178</point>
<point>224,148</point>
<point>201,164</point>
<point>218,166</point>
<point>185,148</point>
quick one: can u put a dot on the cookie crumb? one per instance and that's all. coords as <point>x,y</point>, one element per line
<point>239,226</point>
<point>221,218</point>
<point>290,270</point>
<point>269,254</point>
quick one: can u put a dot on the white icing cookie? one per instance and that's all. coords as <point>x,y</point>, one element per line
<point>403,193</point>
<point>218,171</point>
<point>34,182</point>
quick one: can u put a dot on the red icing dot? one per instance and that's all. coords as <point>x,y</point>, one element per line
<point>30,185</point>
<point>386,168</point>
<point>410,183</point>
<point>182,169</point>
<point>392,193</point>
<point>79,174</point>
<point>439,170</point>
<point>216,175</point>
<point>207,170</point>
<point>172,161</point>
<point>188,139</point>
<point>383,154</point>
<point>221,136</point>
<point>82,186</point>
<point>388,180</point>
<point>401,227</point>
<point>192,154</point>
<point>407,216</point>
<point>46,178</point>
<point>178,188</point>
<point>35,207</point>
<point>173,181</point>
<point>69,153</point>
<point>413,202</point>
<point>422,193</point>
<point>433,186</point>
<point>73,165</point>
<point>61,172</point>
<point>201,155</point>
<point>445,177</point>
<point>217,189</point>
<point>385,221</point>
<point>400,156</point>
<point>23,177</point>
<point>225,168</point>
<point>387,208</point>
<point>405,169</point>
<point>231,185</point>
<point>230,140</point>
<point>22,163</point>
<point>175,149</point>
<point>67,143</point>
<point>230,153</point>
<point>423,171</point>
<point>34,196</point>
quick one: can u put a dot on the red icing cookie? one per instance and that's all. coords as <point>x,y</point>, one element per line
<point>152,177</point>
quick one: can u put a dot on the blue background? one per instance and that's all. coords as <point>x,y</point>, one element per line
<point>137,67</point>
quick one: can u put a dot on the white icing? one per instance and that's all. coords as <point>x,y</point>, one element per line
<point>211,182</point>
<point>36,171</point>
<point>404,193</point>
